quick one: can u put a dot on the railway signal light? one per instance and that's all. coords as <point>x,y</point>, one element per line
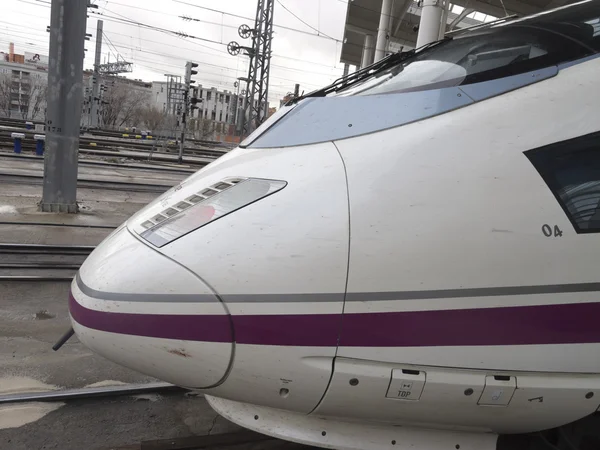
<point>189,71</point>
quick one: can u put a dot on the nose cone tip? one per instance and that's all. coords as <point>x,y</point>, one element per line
<point>138,308</point>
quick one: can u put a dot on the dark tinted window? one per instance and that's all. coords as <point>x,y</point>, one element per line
<point>580,22</point>
<point>572,171</point>
<point>490,54</point>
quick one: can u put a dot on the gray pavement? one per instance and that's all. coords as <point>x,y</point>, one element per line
<point>109,422</point>
<point>58,235</point>
<point>29,167</point>
<point>125,422</point>
<point>18,203</point>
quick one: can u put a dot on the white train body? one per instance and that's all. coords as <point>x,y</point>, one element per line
<point>425,273</point>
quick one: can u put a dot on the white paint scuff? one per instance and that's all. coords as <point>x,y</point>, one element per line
<point>17,385</point>
<point>105,383</point>
<point>14,416</point>
<point>147,397</point>
<point>8,209</point>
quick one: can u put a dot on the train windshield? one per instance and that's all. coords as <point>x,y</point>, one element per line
<point>492,54</point>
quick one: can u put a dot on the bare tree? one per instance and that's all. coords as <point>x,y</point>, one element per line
<point>32,98</point>
<point>203,128</point>
<point>132,112</point>
<point>6,91</point>
<point>37,98</point>
<point>152,117</point>
<point>114,100</point>
<point>123,105</point>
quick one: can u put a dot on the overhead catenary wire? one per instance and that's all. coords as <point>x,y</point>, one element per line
<point>204,63</point>
<point>125,20</point>
<point>202,74</point>
<point>252,20</point>
<point>175,34</point>
<point>218,53</point>
<point>225,25</point>
<point>220,66</point>
<point>110,44</point>
<point>319,33</point>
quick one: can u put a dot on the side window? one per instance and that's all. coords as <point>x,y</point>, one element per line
<point>571,169</point>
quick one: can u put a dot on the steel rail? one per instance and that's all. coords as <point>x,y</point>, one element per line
<point>137,167</point>
<point>16,123</point>
<point>146,146</point>
<point>35,278</point>
<point>43,265</point>
<point>144,155</point>
<point>91,184</point>
<point>48,249</point>
<point>91,392</point>
<point>50,224</point>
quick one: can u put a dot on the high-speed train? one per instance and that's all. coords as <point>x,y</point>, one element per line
<point>406,259</point>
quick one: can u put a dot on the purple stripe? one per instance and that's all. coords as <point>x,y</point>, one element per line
<point>206,328</point>
<point>524,325</point>
<point>574,323</point>
<point>309,330</point>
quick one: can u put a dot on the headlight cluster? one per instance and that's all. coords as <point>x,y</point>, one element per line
<point>203,207</point>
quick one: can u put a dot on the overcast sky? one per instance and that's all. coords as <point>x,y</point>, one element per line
<point>298,57</point>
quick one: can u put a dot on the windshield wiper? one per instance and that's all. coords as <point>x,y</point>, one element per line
<point>369,71</point>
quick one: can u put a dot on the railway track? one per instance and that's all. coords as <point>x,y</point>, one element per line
<point>41,262</point>
<point>119,134</point>
<point>85,142</point>
<point>98,163</point>
<point>36,179</point>
<point>238,440</point>
<point>104,143</point>
<point>89,392</point>
<point>19,123</point>
<point>57,224</point>
<point>118,149</point>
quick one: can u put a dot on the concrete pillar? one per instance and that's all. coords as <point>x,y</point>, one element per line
<point>431,19</point>
<point>346,69</point>
<point>383,32</point>
<point>65,92</point>
<point>368,51</point>
<point>444,20</point>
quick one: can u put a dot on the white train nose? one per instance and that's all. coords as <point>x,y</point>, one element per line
<point>142,310</point>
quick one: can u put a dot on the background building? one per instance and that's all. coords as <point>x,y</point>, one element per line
<point>23,85</point>
<point>123,102</point>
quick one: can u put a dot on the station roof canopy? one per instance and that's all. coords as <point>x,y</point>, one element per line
<point>362,18</point>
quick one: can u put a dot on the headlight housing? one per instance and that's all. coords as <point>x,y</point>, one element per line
<point>184,215</point>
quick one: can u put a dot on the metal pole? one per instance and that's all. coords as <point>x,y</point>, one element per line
<point>346,69</point>
<point>383,32</point>
<point>255,105</point>
<point>368,51</point>
<point>94,122</point>
<point>168,96</point>
<point>266,59</point>
<point>431,19</point>
<point>65,91</point>
<point>183,117</point>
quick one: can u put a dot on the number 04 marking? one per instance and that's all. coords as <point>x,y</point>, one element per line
<point>547,230</point>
